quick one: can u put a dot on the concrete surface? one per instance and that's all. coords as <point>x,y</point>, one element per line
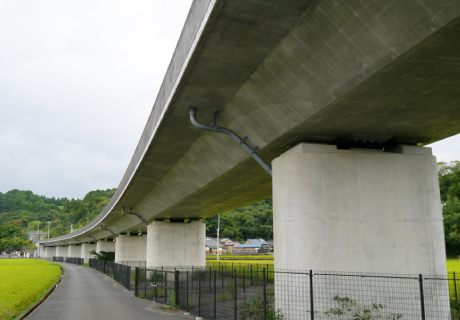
<point>62,251</point>
<point>49,252</point>
<point>87,294</point>
<point>130,248</point>
<point>103,245</point>
<point>176,244</point>
<point>358,211</point>
<point>74,251</point>
<point>85,249</point>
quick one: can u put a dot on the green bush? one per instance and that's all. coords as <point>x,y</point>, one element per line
<point>254,308</point>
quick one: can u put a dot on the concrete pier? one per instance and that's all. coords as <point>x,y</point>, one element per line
<point>62,251</point>
<point>176,244</point>
<point>103,245</point>
<point>74,251</point>
<point>49,252</point>
<point>357,211</point>
<point>130,249</point>
<point>360,211</point>
<point>85,249</point>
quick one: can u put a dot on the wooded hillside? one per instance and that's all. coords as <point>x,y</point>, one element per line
<point>20,211</point>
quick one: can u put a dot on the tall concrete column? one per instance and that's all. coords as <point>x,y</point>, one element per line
<point>129,250</point>
<point>358,211</point>
<point>41,251</point>
<point>85,249</point>
<point>103,245</point>
<point>176,244</point>
<point>50,252</point>
<point>62,251</point>
<point>74,251</point>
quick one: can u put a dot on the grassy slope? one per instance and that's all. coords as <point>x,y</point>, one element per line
<point>23,283</point>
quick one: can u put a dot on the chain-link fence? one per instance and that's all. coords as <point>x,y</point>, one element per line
<point>118,272</point>
<point>249,293</point>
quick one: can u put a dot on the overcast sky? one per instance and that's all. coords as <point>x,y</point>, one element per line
<point>78,80</point>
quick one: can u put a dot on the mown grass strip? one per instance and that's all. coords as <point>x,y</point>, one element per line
<point>23,283</point>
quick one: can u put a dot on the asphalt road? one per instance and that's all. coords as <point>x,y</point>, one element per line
<point>85,293</point>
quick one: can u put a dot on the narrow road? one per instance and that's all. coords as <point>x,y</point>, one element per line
<point>85,293</point>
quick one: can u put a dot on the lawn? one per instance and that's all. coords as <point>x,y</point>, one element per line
<point>23,283</point>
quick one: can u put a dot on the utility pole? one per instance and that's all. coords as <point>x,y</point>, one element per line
<point>218,229</point>
<point>71,228</point>
<point>49,229</point>
<point>38,229</point>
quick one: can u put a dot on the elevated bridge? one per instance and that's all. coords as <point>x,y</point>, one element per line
<point>340,96</point>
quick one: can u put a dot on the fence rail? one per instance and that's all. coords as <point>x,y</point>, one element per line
<point>118,272</point>
<point>251,293</point>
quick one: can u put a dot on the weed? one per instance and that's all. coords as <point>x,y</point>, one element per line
<point>351,310</point>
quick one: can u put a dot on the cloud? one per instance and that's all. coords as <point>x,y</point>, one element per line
<point>74,75</point>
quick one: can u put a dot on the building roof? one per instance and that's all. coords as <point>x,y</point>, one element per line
<point>257,241</point>
<point>212,243</point>
<point>231,243</point>
<point>249,246</point>
<point>224,239</point>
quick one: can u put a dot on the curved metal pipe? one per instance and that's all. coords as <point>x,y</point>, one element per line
<point>108,230</point>
<point>79,241</point>
<point>233,135</point>
<point>133,213</point>
<point>90,237</point>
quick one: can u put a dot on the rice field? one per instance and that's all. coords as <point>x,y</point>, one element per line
<point>453,265</point>
<point>23,283</point>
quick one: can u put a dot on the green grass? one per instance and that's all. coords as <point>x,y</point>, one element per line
<point>453,265</point>
<point>23,283</point>
<point>243,258</point>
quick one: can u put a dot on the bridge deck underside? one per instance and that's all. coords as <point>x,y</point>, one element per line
<point>286,72</point>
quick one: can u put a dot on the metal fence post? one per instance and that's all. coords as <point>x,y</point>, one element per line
<point>136,282</point>
<point>251,274</point>
<point>456,296</point>
<point>312,309</point>
<point>155,288</point>
<point>244,280</point>
<point>165,283</point>
<point>265,293</point>
<point>199,293</point>
<point>186,303</point>
<point>215,296</point>
<point>235,283</point>
<point>176,286</point>
<point>422,297</point>
<point>210,280</point>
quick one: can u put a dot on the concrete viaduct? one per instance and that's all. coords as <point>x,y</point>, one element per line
<point>339,97</point>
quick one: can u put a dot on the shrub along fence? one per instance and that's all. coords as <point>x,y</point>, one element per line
<point>118,272</point>
<point>286,294</point>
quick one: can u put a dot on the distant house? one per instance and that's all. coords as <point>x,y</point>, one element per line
<point>212,245</point>
<point>224,241</point>
<point>264,244</point>
<point>228,244</point>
